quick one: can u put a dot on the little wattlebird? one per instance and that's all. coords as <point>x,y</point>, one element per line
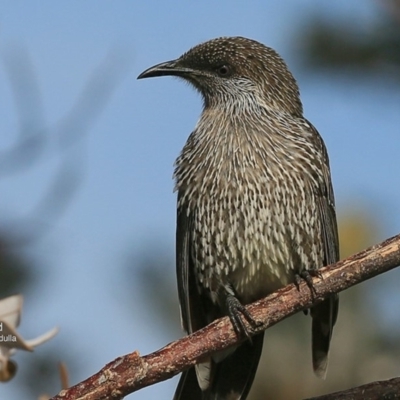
<point>255,205</point>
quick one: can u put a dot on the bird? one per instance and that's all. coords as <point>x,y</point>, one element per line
<point>255,205</point>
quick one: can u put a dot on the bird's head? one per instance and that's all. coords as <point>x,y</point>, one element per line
<point>237,70</point>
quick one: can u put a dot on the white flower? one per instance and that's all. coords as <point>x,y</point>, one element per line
<point>10,340</point>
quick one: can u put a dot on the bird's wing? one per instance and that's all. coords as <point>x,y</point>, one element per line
<point>182,265</point>
<point>192,311</point>
<point>324,314</point>
<point>193,315</point>
<point>327,214</point>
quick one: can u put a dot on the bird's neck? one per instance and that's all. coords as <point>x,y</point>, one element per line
<point>229,145</point>
<point>235,103</point>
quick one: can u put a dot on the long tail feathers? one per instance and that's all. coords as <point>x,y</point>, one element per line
<point>324,317</point>
<point>232,378</point>
<point>188,388</point>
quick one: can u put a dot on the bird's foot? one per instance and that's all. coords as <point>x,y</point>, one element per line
<point>307,276</point>
<point>235,310</point>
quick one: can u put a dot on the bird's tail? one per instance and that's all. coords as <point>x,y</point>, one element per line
<point>231,379</point>
<point>324,317</point>
<point>188,387</point>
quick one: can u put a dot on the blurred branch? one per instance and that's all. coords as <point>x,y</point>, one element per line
<point>93,98</point>
<point>132,372</point>
<point>389,389</point>
<point>392,7</point>
<point>34,135</point>
<point>25,89</point>
<point>344,45</point>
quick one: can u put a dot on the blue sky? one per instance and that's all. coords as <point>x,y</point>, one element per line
<point>125,198</point>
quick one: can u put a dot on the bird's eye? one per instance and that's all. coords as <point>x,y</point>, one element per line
<point>224,70</point>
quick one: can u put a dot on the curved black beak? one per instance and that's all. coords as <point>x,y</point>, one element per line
<point>163,69</point>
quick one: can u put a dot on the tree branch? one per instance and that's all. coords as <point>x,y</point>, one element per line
<point>389,390</point>
<point>132,372</point>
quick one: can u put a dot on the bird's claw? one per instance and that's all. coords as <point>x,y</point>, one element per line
<point>235,310</point>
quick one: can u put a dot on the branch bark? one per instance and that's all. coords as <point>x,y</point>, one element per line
<point>132,372</point>
<point>389,390</point>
